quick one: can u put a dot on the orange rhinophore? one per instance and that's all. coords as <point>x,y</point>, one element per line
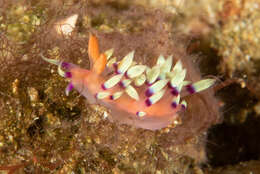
<point>146,97</point>
<point>93,48</point>
<point>100,64</point>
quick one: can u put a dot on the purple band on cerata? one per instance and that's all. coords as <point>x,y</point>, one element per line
<point>65,65</point>
<point>148,102</point>
<point>121,83</point>
<point>103,87</point>
<point>174,105</point>
<point>68,74</point>
<point>190,89</point>
<point>111,97</point>
<point>149,93</point>
<point>175,92</point>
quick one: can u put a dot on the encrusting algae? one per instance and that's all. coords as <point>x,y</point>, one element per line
<point>136,94</point>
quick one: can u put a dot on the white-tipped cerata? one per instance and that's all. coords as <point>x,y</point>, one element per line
<point>130,90</point>
<point>200,85</point>
<point>156,97</point>
<point>152,74</point>
<point>160,60</point>
<point>140,113</point>
<point>112,81</point>
<point>157,86</point>
<point>109,53</point>
<point>166,67</point>
<point>183,104</point>
<point>177,66</point>
<point>111,62</point>
<point>116,95</point>
<point>126,82</point>
<point>186,82</point>
<point>135,71</point>
<point>125,63</point>
<point>175,101</point>
<point>177,78</point>
<point>102,95</point>
<point>139,81</point>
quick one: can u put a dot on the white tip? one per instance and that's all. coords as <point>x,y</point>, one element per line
<point>111,62</point>
<point>140,113</point>
<point>166,67</point>
<point>184,104</point>
<point>116,95</point>
<point>156,97</point>
<point>113,81</point>
<point>162,76</point>
<point>125,63</point>
<point>133,64</point>
<point>176,99</point>
<point>152,74</point>
<point>109,53</point>
<point>177,66</point>
<point>135,71</point>
<point>160,60</point>
<point>130,90</point>
<point>105,115</point>
<point>178,77</point>
<point>126,82</point>
<point>185,82</point>
<point>157,86</point>
<point>102,95</point>
<point>139,81</point>
<point>203,84</point>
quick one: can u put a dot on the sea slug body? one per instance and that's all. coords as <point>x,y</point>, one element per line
<point>146,97</point>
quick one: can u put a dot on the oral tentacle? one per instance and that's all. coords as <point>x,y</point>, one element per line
<point>52,61</point>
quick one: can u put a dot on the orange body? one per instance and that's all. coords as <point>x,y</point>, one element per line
<point>124,109</point>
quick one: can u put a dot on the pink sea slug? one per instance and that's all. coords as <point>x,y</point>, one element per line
<point>146,97</point>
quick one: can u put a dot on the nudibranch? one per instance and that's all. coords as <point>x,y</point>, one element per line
<point>136,94</point>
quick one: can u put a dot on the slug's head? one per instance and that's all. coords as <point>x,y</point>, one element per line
<point>74,73</point>
<point>69,71</point>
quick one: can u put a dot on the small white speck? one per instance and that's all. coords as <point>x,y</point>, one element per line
<point>141,113</point>
<point>105,115</point>
<point>248,57</point>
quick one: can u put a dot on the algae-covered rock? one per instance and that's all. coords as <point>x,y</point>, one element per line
<point>237,38</point>
<point>44,131</point>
